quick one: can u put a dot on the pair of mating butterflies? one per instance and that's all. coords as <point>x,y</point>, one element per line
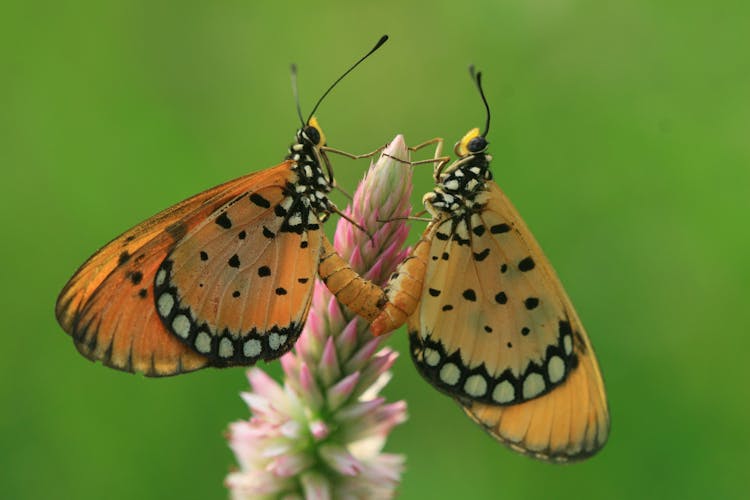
<point>225,278</point>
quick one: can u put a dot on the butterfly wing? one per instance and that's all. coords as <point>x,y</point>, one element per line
<point>117,306</point>
<point>495,330</point>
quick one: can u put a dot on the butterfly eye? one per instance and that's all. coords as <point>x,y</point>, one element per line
<point>312,134</point>
<point>477,144</point>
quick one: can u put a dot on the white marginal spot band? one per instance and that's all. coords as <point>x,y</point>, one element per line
<point>555,369</point>
<point>164,304</point>
<point>533,385</point>
<point>181,325</point>
<point>450,374</point>
<point>251,348</point>
<point>504,392</point>
<point>475,386</point>
<point>203,342</point>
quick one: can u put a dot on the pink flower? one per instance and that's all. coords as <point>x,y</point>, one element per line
<point>320,435</point>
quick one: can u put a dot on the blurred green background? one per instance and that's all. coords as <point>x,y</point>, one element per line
<point>620,131</point>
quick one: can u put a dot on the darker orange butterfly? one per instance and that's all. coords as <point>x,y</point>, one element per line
<point>223,278</point>
<point>489,322</point>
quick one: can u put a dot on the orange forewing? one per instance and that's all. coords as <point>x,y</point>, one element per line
<point>108,307</point>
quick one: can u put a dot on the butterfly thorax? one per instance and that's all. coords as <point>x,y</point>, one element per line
<point>459,185</point>
<point>309,192</point>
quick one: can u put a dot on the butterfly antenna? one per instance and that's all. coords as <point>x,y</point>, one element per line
<point>477,77</point>
<point>295,91</point>
<point>382,40</point>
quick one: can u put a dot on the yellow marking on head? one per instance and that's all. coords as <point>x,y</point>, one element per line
<point>462,148</point>
<point>314,123</point>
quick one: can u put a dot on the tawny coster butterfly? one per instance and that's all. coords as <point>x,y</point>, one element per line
<point>223,278</point>
<point>489,322</point>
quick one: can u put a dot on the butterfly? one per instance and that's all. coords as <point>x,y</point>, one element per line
<point>223,278</point>
<point>489,322</point>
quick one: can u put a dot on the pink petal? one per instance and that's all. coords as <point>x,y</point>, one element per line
<point>340,460</point>
<point>316,486</point>
<point>340,393</point>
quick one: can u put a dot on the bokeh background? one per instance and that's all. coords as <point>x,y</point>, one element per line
<point>620,130</point>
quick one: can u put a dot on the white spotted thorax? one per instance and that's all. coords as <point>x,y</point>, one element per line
<point>309,199</point>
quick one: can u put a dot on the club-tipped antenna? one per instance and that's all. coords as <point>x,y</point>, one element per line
<point>295,91</point>
<point>477,77</point>
<point>382,40</point>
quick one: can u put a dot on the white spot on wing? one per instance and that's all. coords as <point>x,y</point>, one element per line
<point>450,374</point>
<point>274,341</point>
<point>504,392</point>
<point>475,386</point>
<point>451,184</point>
<point>181,325</point>
<point>462,231</point>
<point>555,369</point>
<point>533,385</point>
<point>164,304</point>
<point>226,348</point>
<point>203,342</point>
<point>431,357</point>
<point>568,344</point>
<point>161,277</point>
<point>251,348</point>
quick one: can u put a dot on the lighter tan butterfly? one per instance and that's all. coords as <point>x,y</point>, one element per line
<point>489,322</point>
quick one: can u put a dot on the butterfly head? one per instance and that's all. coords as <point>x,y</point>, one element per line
<point>470,144</point>
<point>312,134</point>
<point>475,142</point>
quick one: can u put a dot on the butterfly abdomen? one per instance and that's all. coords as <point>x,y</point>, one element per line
<point>361,296</point>
<point>403,290</point>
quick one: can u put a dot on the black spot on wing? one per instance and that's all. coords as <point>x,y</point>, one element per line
<point>470,295</point>
<point>500,228</point>
<point>224,221</point>
<point>135,277</point>
<point>531,303</point>
<point>433,292</point>
<point>264,271</point>
<point>204,255</point>
<point>124,257</point>
<point>526,264</point>
<point>268,233</point>
<point>260,201</point>
<point>234,261</point>
<point>480,256</point>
